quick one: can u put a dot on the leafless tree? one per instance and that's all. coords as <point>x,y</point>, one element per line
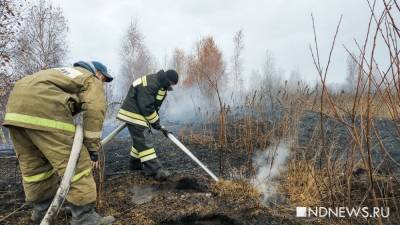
<point>10,20</point>
<point>237,62</point>
<point>268,79</point>
<point>135,59</point>
<point>351,78</point>
<point>41,42</point>
<point>178,62</point>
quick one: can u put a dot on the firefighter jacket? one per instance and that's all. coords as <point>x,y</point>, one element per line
<point>48,100</point>
<point>144,99</point>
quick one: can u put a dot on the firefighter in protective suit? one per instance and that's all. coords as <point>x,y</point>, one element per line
<point>39,117</point>
<point>140,111</point>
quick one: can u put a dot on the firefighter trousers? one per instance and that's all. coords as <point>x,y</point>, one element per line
<point>43,158</point>
<point>142,151</point>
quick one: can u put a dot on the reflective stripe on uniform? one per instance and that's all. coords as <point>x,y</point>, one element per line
<point>160,95</point>
<point>144,81</point>
<point>92,134</point>
<point>137,82</point>
<point>147,158</point>
<point>147,155</point>
<point>79,175</point>
<point>33,120</point>
<point>38,177</point>
<point>161,92</point>
<point>153,117</point>
<point>134,153</point>
<point>141,80</point>
<point>132,117</point>
<point>131,120</point>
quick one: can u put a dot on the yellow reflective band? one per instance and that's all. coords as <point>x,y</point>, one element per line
<point>134,153</point>
<point>154,120</point>
<point>134,156</point>
<point>132,115</point>
<point>144,81</point>
<point>161,92</point>
<point>38,177</point>
<point>92,134</point>
<point>137,82</point>
<point>147,152</point>
<point>131,120</point>
<point>153,117</point>
<point>147,158</point>
<point>160,97</point>
<point>134,150</point>
<point>39,121</point>
<point>79,176</point>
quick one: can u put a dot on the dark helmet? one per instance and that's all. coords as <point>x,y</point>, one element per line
<point>172,76</point>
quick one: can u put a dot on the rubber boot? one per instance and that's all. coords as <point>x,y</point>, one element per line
<point>135,164</point>
<point>154,169</point>
<point>86,215</point>
<point>39,210</point>
<point>162,174</point>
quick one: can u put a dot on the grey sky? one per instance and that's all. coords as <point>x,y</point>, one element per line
<point>283,27</point>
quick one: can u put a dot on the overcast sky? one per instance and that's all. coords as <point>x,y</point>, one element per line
<point>282,27</point>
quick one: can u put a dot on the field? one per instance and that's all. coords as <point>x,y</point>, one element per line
<point>245,195</point>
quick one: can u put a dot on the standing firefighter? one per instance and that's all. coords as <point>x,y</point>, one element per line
<point>39,116</point>
<point>140,111</point>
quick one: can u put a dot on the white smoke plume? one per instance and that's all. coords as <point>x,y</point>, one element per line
<point>269,164</point>
<point>186,105</point>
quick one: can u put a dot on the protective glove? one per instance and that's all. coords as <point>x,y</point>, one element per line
<point>164,131</point>
<point>94,156</point>
<point>156,125</point>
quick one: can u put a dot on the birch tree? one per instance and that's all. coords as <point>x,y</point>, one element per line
<point>41,42</point>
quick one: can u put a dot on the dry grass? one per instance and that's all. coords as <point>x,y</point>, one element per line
<point>300,184</point>
<point>238,192</point>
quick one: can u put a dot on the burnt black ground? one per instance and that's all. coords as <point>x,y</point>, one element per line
<point>339,141</point>
<point>192,179</point>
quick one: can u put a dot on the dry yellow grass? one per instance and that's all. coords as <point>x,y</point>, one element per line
<point>237,191</point>
<point>300,184</point>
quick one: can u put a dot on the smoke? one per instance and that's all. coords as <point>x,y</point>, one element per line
<point>268,165</point>
<point>186,105</point>
<point>142,194</point>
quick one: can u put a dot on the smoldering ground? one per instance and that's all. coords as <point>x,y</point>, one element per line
<point>269,163</point>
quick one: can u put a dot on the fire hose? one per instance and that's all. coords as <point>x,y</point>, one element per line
<point>189,153</point>
<point>113,134</point>
<point>65,184</point>
<point>173,139</point>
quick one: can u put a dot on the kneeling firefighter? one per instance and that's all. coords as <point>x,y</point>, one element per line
<point>140,111</point>
<point>39,116</point>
